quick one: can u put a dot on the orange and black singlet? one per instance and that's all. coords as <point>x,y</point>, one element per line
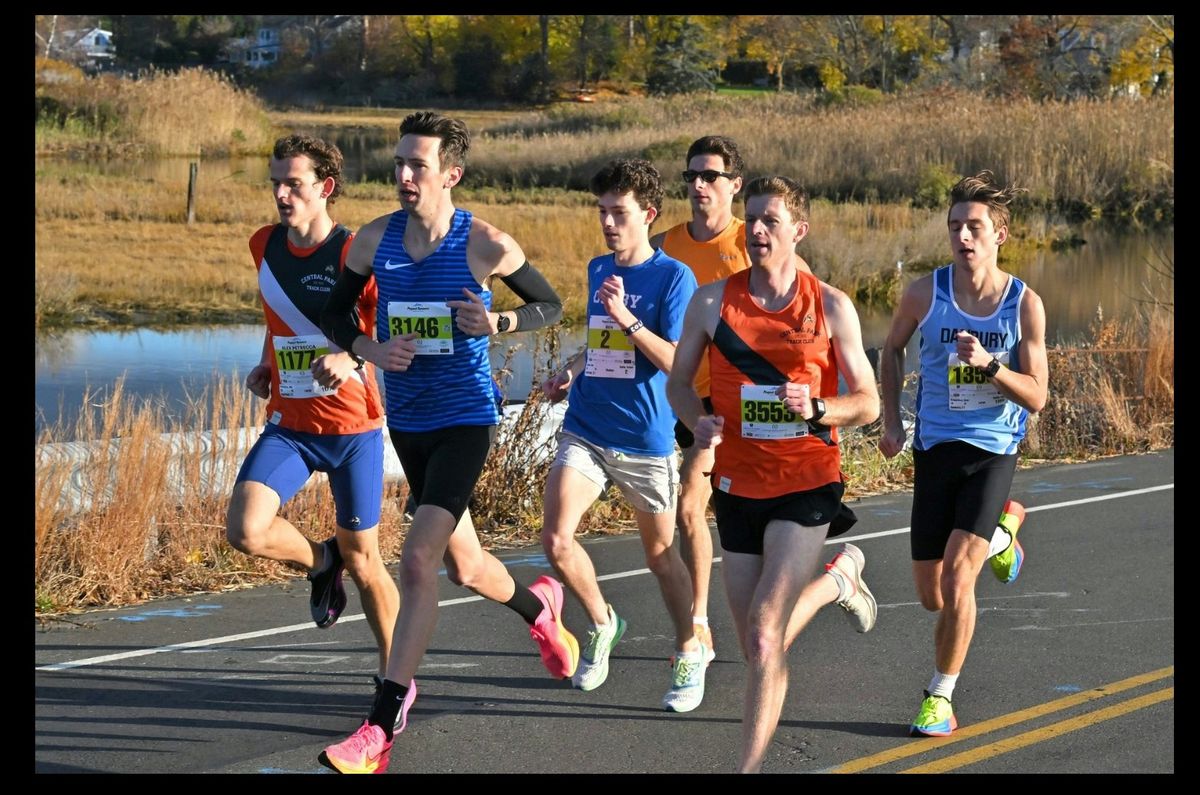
<point>767,450</point>
<point>294,284</point>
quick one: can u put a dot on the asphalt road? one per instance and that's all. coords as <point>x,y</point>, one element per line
<point>1071,669</point>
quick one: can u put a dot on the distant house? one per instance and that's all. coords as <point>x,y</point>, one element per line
<point>255,52</point>
<point>91,46</point>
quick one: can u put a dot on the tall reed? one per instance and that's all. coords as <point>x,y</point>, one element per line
<point>1117,155</point>
<point>134,506</point>
<point>188,112</point>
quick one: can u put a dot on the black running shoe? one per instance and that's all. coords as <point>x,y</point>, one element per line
<point>328,598</point>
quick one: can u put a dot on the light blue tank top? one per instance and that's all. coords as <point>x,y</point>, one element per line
<point>450,382</point>
<point>955,401</point>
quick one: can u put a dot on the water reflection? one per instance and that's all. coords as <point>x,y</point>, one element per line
<point>1113,271</point>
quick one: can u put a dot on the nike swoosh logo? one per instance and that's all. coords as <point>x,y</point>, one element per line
<point>393,265</point>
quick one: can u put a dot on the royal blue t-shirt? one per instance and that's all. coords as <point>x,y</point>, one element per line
<point>620,400</point>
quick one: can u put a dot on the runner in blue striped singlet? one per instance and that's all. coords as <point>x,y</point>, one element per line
<point>434,265</point>
<point>982,373</point>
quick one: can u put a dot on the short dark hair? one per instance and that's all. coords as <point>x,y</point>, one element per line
<point>985,189</point>
<point>455,140</point>
<point>326,158</point>
<point>794,195</point>
<point>631,175</point>
<point>719,145</point>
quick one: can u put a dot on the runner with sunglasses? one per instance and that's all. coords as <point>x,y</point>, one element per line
<point>713,245</point>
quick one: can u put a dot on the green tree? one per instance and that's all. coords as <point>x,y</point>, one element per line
<point>688,62</point>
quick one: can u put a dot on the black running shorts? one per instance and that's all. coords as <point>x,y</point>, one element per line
<point>957,486</point>
<point>443,466</point>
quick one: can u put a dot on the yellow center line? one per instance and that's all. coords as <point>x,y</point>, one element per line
<point>999,747</point>
<point>931,744</point>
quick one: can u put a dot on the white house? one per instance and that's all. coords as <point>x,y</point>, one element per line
<point>90,45</point>
<point>255,52</point>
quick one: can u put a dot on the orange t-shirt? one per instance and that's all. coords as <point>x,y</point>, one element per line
<point>717,259</point>
<point>294,284</point>
<point>752,352</point>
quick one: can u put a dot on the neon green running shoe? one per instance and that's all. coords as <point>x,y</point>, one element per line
<point>936,718</point>
<point>1006,565</point>
<point>687,681</point>
<point>593,657</point>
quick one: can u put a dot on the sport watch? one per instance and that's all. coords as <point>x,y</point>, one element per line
<point>992,368</point>
<point>502,323</point>
<point>818,407</point>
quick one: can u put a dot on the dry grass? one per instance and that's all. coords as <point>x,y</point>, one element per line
<point>188,112</point>
<point>152,515</point>
<point>1113,395</point>
<point>1117,155</point>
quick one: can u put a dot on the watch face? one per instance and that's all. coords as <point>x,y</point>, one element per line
<point>502,323</point>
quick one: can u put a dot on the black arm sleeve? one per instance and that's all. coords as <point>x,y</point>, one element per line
<point>338,316</point>
<point>542,306</point>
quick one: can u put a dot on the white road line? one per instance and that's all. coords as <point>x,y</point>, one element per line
<point>262,633</point>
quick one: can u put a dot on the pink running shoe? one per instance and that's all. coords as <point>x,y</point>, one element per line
<point>560,650</point>
<point>365,751</point>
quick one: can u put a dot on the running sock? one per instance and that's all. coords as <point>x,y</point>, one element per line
<point>387,706</point>
<point>942,684</point>
<point>525,604</point>
<point>842,583</point>
<point>701,620</point>
<point>1001,538</point>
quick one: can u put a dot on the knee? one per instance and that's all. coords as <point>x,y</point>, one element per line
<point>956,588</point>
<point>363,566</point>
<point>556,545</point>
<point>931,599</point>
<point>418,568</point>
<point>659,561</point>
<point>762,644</point>
<point>243,533</point>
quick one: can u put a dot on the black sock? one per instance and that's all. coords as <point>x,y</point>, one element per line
<point>387,706</point>
<point>525,604</point>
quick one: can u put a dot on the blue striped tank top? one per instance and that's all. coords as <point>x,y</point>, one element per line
<point>956,401</point>
<point>449,382</point>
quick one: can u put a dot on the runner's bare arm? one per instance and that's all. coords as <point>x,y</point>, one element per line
<point>860,404</point>
<point>912,307</point>
<point>493,253</point>
<point>1028,387</point>
<point>699,324</point>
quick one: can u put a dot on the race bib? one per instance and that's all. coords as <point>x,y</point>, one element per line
<point>970,388</point>
<point>431,322</point>
<point>610,353</point>
<point>765,417</point>
<point>295,356</point>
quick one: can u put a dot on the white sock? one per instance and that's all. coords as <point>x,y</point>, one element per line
<point>701,620</point>
<point>1000,541</point>
<point>843,583</point>
<point>942,684</point>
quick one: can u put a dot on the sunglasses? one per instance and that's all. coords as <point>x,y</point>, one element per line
<point>708,176</point>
